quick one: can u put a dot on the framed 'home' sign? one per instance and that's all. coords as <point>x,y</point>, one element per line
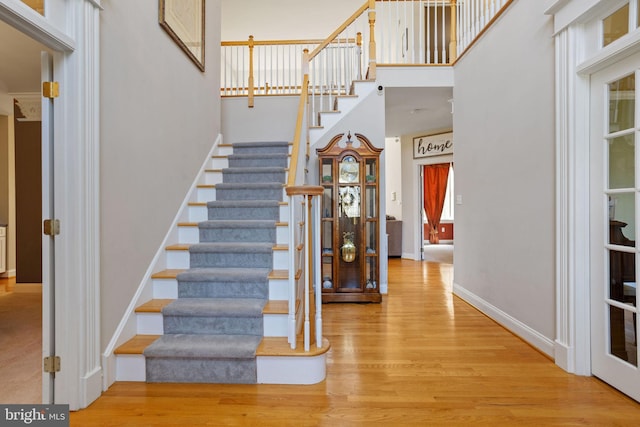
<point>432,145</point>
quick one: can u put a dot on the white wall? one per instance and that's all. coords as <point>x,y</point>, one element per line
<point>159,118</point>
<point>393,177</point>
<point>504,165</point>
<point>294,19</point>
<point>272,118</point>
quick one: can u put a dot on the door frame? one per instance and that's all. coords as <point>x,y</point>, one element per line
<point>573,71</point>
<point>76,193</point>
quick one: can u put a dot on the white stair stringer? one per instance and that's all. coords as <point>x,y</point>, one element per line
<point>328,119</point>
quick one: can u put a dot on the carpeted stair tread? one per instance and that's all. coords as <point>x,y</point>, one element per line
<point>243,204</point>
<point>237,145</point>
<point>224,274</point>
<point>243,223</point>
<point>184,346</point>
<point>232,247</point>
<point>215,307</point>
<point>266,169</point>
<point>248,185</point>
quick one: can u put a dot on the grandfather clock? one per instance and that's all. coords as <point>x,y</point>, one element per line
<point>349,173</point>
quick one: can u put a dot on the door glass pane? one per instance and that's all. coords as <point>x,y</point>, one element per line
<point>622,222</point>
<point>623,335</point>
<point>615,25</point>
<point>622,162</point>
<point>622,103</point>
<point>622,277</point>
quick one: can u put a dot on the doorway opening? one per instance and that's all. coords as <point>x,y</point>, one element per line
<point>437,212</point>
<point>21,197</point>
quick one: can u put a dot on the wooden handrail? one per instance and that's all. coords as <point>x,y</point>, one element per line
<point>293,166</point>
<point>340,29</point>
<point>282,42</point>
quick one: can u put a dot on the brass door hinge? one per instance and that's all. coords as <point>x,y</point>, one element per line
<point>51,227</point>
<point>52,364</point>
<point>50,89</point>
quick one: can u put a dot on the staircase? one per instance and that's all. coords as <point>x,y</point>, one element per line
<point>226,319</point>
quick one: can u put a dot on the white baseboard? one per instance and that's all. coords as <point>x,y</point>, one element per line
<point>564,356</point>
<point>8,274</point>
<point>534,338</point>
<point>91,386</point>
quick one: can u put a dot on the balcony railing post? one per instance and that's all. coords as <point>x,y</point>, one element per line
<point>453,44</point>
<point>371,74</point>
<point>251,86</point>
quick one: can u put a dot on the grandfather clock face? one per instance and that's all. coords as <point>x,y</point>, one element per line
<point>348,170</point>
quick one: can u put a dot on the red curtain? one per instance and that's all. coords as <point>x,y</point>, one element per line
<point>435,188</point>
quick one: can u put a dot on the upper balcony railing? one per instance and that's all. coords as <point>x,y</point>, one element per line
<point>403,32</point>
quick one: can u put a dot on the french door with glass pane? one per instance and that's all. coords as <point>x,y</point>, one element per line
<point>614,251</point>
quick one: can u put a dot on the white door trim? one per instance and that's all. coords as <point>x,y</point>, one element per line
<point>572,343</point>
<point>77,189</point>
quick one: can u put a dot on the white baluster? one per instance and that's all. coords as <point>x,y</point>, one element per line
<point>317,270</point>
<point>307,326</point>
<point>428,34</point>
<point>292,276</point>
<point>444,27</point>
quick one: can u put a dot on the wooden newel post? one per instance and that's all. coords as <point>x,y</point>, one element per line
<point>251,87</point>
<point>371,74</point>
<point>453,44</point>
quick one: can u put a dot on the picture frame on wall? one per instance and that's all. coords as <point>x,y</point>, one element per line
<point>184,21</point>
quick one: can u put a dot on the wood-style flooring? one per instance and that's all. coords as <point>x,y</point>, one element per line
<point>422,357</point>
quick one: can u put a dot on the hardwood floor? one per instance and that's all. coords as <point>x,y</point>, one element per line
<point>421,357</point>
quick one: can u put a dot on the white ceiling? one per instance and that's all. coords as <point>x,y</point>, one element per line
<point>411,110</point>
<point>408,110</point>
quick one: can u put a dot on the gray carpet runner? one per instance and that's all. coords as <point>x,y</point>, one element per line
<point>212,331</point>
